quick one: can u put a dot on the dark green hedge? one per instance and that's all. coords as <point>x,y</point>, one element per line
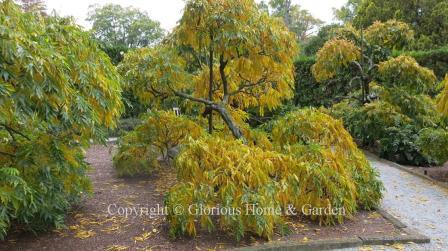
<point>311,93</point>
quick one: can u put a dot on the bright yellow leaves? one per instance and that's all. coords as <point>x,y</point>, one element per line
<point>249,53</point>
<point>404,71</point>
<point>153,74</point>
<point>315,163</point>
<point>392,34</point>
<point>334,56</point>
<point>442,100</point>
<point>309,132</point>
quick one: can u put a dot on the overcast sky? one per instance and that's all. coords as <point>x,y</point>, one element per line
<point>168,12</point>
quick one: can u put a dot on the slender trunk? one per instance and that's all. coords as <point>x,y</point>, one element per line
<point>210,91</point>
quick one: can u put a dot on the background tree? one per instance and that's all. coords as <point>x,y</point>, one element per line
<point>427,18</point>
<point>119,29</point>
<point>298,20</point>
<point>58,91</point>
<point>348,11</point>
<point>231,56</point>
<point>33,6</point>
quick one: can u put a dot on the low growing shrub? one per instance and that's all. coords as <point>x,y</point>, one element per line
<point>316,164</point>
<point>158,133</point>
<point>311,127</point>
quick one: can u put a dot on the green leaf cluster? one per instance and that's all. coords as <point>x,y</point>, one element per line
<point>58,91</point>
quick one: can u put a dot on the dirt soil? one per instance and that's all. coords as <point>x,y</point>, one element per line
<point>91,227</point>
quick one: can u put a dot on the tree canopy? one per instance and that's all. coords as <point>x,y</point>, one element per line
<point>116,26</point>
<point>225,55</point>
<point>298,20</point>
<point>429,18</point>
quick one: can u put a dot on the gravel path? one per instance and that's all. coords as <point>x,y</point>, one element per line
<point>417,203</point>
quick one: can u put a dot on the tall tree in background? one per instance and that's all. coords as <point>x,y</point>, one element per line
<point>33,6</point>
<point>119,27</point>
<point>348,11</point>
<point>429,18</point>
<point>298,20</point>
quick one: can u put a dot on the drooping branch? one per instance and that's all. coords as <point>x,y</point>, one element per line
<point>12,131</point>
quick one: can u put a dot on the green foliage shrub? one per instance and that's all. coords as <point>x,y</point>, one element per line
<point>394,125</point>
<point>159,132</point>
<point>58,91</point>
<point>433,144</point>
<point>399,144</point>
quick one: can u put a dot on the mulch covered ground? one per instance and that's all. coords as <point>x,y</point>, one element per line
<point>91,227</point>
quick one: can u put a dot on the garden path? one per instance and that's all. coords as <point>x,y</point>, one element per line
<point>416,202</point>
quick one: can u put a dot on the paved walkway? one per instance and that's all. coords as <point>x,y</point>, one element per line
<point>417,203</point>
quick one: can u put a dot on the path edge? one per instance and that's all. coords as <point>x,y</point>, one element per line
<point>405,169</point>
<point>410,236</point>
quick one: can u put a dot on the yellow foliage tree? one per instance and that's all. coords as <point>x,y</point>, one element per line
<point>225,55</point>
<point>391,34</point>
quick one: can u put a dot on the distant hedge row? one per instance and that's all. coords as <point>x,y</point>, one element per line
<point>311,93</point>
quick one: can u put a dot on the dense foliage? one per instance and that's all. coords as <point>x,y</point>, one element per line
<point>308,92</point>
<point>394,103</point>
<point>237,57</point>
<point>158,133</point>
<point>427,17</point>
<point>314,162</point>
<point>58,91</point>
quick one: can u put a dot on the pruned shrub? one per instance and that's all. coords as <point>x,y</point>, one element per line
<point>159,132</point>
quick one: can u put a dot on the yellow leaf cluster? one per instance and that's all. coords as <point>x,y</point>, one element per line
<point>391,34</point>
<point>442,99</point>
<point>404,71</point>
<point>334,56</point>
<point>314,162</point>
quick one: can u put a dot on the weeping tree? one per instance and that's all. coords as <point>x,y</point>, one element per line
<point>358,53</point>
<point>226,56</point>
<point>58,91</point>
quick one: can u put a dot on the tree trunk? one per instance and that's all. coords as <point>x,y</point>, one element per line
<point>225,115</point>
<point>210,91</point>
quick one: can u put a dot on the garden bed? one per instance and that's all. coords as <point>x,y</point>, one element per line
<point>91,227</point>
